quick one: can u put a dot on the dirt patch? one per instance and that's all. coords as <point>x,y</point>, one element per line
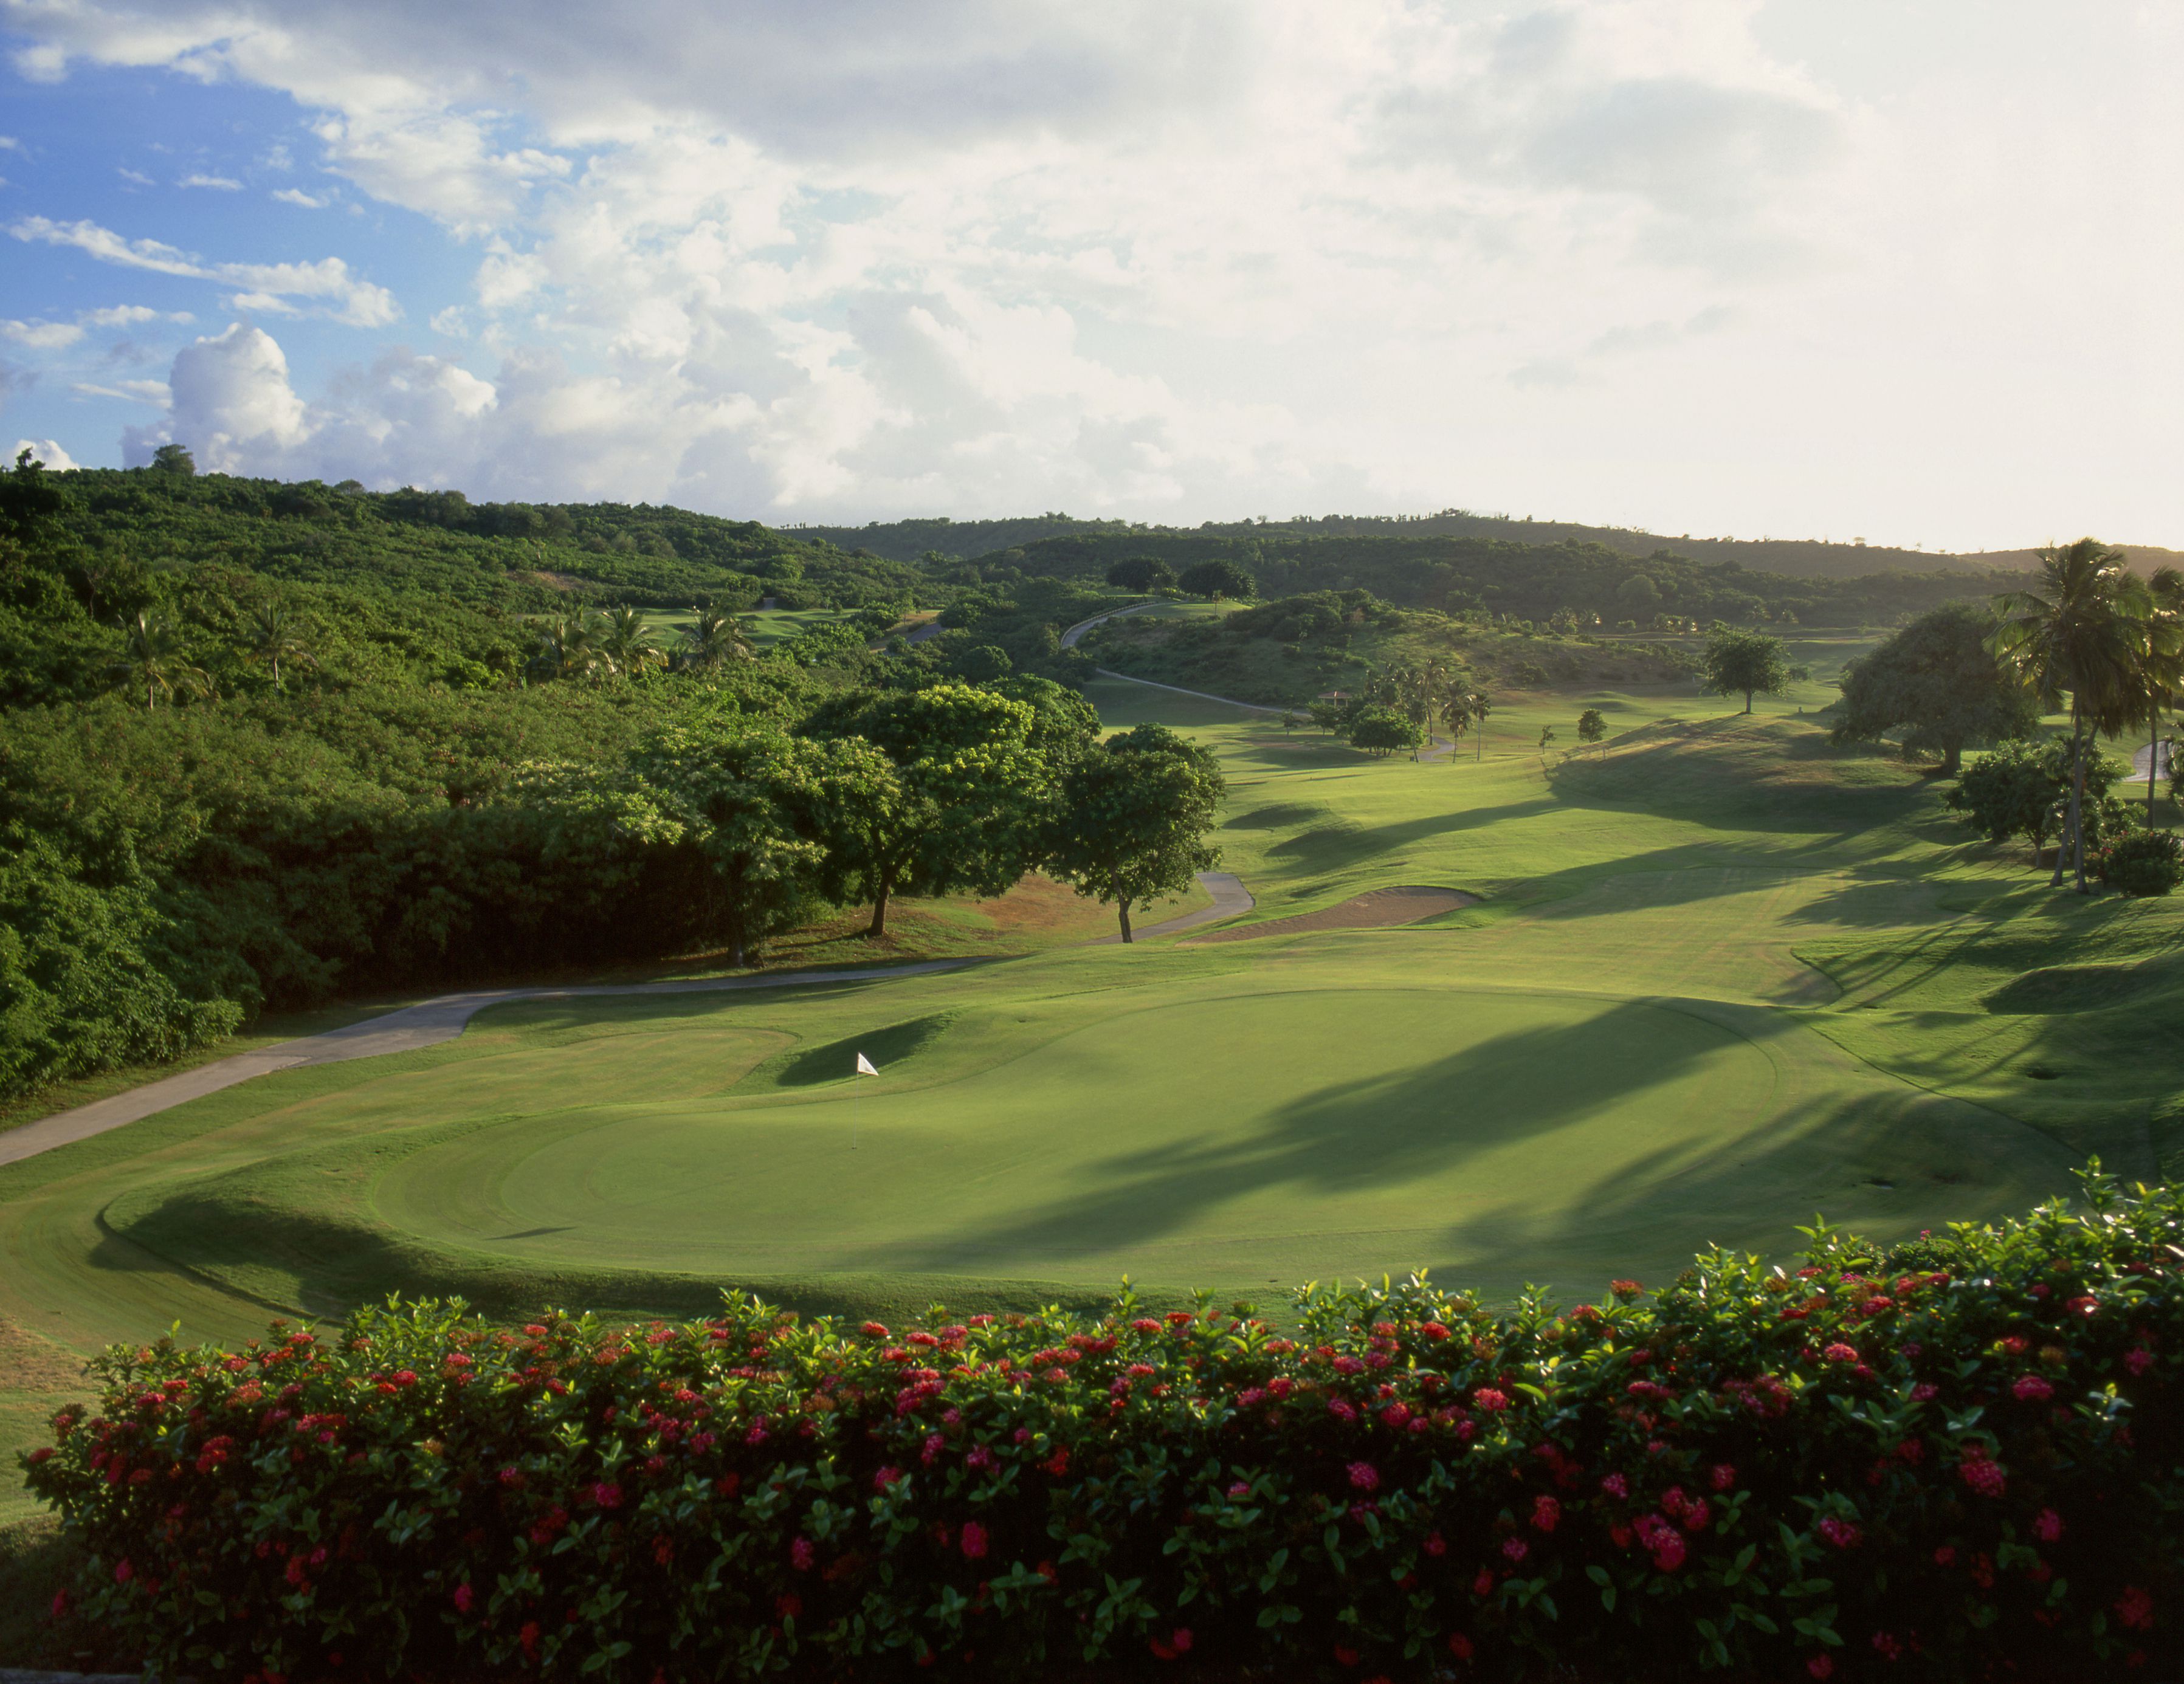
<point>1378,909</point>
<point>31,1364</point>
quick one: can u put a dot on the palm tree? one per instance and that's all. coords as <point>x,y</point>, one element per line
<point>154,655</point>
<point>571,648</point>
<point>715,639</point>
<point>1456,709</point>
<point>271,634</point>
<point>2088,627</point>
<point>627,642</point>
<point>2167,589</point>
<point>1479,704</point>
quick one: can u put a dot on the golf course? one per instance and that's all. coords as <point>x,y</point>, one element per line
<point>1718,976</point>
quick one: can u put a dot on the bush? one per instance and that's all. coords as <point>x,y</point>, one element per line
<point>1958,1460</point>
<point>2142,862</point>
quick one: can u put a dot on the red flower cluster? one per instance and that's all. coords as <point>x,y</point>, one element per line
<point>1857,1466</point>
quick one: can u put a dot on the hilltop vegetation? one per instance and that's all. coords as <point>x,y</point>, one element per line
<point>1528,581</point>
<point>1287,652</point>
<point>1799,558</point>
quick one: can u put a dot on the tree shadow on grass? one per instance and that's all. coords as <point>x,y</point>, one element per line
<point>1355,1137</point>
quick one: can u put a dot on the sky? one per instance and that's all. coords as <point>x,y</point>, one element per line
<point>1758,268</point>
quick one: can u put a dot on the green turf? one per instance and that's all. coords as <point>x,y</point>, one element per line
<point>1722,975</point>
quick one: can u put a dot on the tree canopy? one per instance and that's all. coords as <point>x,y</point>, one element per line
<point>1938,681</point>
<point>1131,820</point>
<point>1218,579</point>
<point>1750,662</point>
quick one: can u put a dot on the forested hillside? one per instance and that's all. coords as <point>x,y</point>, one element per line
<point>261,745</point>
<point>1528,581</point>
<point>1799,558</point>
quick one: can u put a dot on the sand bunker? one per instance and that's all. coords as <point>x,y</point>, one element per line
<point>1378,910</point>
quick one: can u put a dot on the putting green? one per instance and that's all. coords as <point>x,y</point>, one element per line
<point>1230,1137</point>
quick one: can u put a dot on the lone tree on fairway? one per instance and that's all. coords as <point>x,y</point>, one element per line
<point>1214,579</point>
<point>1381,730</point>
<point>1592,728</point>
<point>2088,627</point>
<point>1748,661</point>
<point>1131,820</point>
<point>1938,679</point>
<point>1546,739</point>
<point>1141,573</point>
<point>925,792</point>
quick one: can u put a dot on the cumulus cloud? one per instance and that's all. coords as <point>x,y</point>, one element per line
<point>225,183</point>
<point>45,450</point>
<point>332,290</point>
<point>297,196</point>
<point>1168,256</point>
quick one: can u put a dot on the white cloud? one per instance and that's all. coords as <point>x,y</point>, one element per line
<point>262,287</point>
<point>1659,260</point>
<point>9,143</point>
<point>132,391</point>
<point>296,195</point>
<point>58,336</point>
<point>225,183</point>
<point>136,177</point>
<point>45,450</point>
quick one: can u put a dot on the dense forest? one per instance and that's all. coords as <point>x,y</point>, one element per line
<point>261,745</point>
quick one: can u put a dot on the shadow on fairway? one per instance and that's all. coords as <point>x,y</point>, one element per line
<point>1351,1137</point>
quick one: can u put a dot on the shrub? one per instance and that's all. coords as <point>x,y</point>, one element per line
<point>2142,862</point>
<point>1957,1460</point>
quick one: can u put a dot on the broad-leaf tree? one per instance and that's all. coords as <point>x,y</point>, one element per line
<point>1131,818</point>
<point>1381,730</point>
<point>1141,573</point>
<point>733,792</point>
<point>1751,662</point>
<point>1592,727</point>
<point>1938,680</point>
<point>930,791</point>
<point>1215,579</point>
<point>2023,789</point>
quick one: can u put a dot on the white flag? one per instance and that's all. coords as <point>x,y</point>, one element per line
<point>864,1066</point>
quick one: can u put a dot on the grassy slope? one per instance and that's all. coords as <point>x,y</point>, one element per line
<point>1634,999</point>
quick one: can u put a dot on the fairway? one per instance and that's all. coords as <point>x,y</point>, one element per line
<point>1719,980</point>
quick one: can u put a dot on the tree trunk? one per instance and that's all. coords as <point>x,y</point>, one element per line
<point>2153,763</point>
<point>1953,760</point>
<point>877,927</point>
<point>1122,910</point>
<point>2075,840</point>
<point>1747,701</point>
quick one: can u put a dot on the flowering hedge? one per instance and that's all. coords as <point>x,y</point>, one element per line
<point>1959,1459</point>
